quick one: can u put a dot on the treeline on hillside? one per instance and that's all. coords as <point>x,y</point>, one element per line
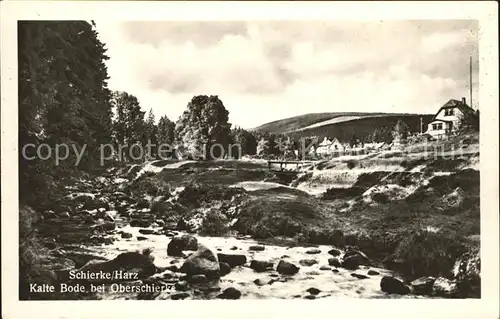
<point>367,130</point>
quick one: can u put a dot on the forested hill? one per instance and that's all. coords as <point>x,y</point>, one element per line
<point>342,124</point>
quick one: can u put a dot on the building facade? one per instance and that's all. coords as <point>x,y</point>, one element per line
<point>449,118</point>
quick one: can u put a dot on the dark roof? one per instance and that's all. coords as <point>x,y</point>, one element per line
<point>452,103</point>
<point>446,121</point>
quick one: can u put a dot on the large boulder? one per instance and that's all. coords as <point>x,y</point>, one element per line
<point>351,263</point>
<point>287,268</point>
<point>361,258</point>
<point>180,243</point>
<point>232,260</point>
<point>202,262</point>
<point>393,285</point>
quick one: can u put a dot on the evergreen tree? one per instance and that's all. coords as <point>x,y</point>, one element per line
<point>150,135</point>
<point>165,132</point>
<point>246,140</point>
<point>129,125</point>
<point>63,98</point>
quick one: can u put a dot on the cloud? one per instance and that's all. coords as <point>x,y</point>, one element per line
<point>265,71</point>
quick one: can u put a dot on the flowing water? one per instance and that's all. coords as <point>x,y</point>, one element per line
<point>340,284</point>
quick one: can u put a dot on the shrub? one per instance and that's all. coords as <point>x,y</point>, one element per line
<point>149,185</point>
<point>351,164</point>
<point>214,224</point>
<point>31,255</point>
<point>427,253</point>
<point>381,198</point>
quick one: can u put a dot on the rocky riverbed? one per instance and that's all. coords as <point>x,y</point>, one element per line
<point>108,228</point>
<point>254,272</point>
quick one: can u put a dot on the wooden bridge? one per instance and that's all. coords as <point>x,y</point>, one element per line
<point>283,165</point>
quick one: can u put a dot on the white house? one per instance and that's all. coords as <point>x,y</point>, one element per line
<point>448,117</point>
<point>327,147</point>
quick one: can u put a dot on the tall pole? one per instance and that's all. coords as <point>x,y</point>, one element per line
<point>470,80</point>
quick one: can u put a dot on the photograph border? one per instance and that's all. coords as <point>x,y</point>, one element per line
<point>485,12</point>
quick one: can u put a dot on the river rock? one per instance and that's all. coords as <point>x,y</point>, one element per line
<point>334,262</point>
<point>334,252</point>
<point>310,297</point>
<point>232,260</point>
<point>261,266</point>
<point>373,272</point>
<point>444,287</point>
<point>313,291</point>
<point>126,235</point>
<point>393,286</point>
<point>140,238</point>
<point>423,285</point>
<point>105,227</point>
<point>91,204</point>
<point>287,268</point>
<point>202,262</point>
<point>307,262</point>
<point>181,243</point>
<point>325,268</point>
<point>256,248</point>
<point>359,276</point>
<point>196,279</point>
<point>224,268</point>
<point>146,231</point>
<point>230,293</point>
<point>350,263</point>
<point>360,257</point>
<point>140,223</point>
<point>181,286</point>
<point>263,281</point>
<point>313,251</point>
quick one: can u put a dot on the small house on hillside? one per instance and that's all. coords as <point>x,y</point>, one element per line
<point>328,147</point>
<point>373,147</point>
<point>449,118</point>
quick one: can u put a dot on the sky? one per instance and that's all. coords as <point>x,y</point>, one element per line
<point>270,70</point>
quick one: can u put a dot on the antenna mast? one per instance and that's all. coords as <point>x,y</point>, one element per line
<point>470,80</point>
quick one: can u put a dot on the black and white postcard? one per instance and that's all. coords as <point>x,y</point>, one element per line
<point>309,154</point>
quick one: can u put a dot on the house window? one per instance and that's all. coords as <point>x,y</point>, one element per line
<point>440,126</point>
<point>434,127</point>
<point>448,112</point>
